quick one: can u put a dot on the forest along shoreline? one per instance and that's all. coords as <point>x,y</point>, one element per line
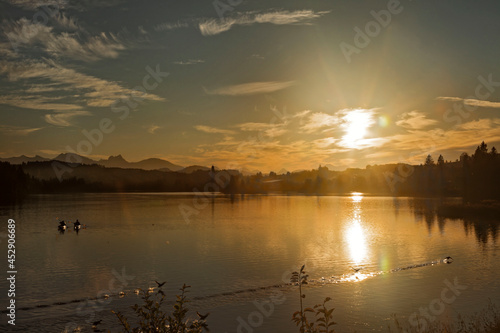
<point>473,178</point>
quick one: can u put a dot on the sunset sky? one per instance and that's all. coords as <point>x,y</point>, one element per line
<point>264,85</point>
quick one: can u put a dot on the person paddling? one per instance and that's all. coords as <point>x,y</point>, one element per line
<point>77,225</point>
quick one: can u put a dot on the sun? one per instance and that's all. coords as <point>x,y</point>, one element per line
<point>356,124</point>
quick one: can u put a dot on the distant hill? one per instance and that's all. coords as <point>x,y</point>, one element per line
<point>112,162</point>
<point>148,164</point>
<point>73,158</point>
<point>194,168</point>
<point>24,159</point>
<point>248,172</point>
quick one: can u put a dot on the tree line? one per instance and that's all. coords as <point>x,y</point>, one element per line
<point>473,177</point>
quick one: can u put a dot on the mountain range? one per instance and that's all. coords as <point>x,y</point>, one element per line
<point>117,162</point>
<point>112,162</point>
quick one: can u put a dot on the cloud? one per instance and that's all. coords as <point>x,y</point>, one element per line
<point>214,26</point>
<point>170,26</point>
<point>422,142</point>
<point>270,130</point>
<point>325,142</point>
<point>355,124</point>
<point>49,152</point>
<point>208,129</point>
<point>37,103</point>
<point>16,130</point>
<point>64,119</point>
<point>35,4</point>
<point>153,128</point>
<point>69,23</point>
<point>251,88</point>
<point>189,62</point>
<point>471,102</point>
<point>94,91</point>
<point>210,27</point>
<point>302,114</point>
<point>415,120</point>
<point>27,34</point>
<point>318,120</point>
<point>479,125</point>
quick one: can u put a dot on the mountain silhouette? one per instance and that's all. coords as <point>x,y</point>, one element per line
<point>112,162</point>
<point>73,158</point>
<point>194,168</point>
<point>147,164</point>
<point>24,159</point>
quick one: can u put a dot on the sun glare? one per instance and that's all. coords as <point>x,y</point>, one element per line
<point>355,238</point>
<point>356,124</point>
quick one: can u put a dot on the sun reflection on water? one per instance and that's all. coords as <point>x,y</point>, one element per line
<point>355,234</point>
<point>356,240</point>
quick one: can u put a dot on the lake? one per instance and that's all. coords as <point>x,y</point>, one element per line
<point>237,253</point>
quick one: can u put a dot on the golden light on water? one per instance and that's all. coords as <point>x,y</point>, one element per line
<point>356,196</point>
<point>355,235</point>
<point>356,240</point>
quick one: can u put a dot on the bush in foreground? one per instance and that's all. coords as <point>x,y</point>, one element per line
<point>152,319</point>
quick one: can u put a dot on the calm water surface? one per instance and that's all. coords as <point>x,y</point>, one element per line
<point>229,248</point>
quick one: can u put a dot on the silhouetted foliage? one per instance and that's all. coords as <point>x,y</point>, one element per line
<point>322,316</point>
<point>152,317</point>
<point>14,183</point>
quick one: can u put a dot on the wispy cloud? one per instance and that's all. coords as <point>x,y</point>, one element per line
<point>28,34</point>
<point>318,120</point>
<point>64,118</point>
<point>250,88</point>
<point>268,129</point>
<point>170,26</point>
<point>49,152</point>
<point>94,91</point>
<point>471,102</point>
<point>66,22</point>
<point>211,27</point>
<point>189,62</point>
<point>208,129</point>
<point>153,128</point>
<point>37,102</point>
<point>16,130</point>
<point>438,140</point>
<point>415,120</point>
<point>325,142</point>
<point>35,4</point>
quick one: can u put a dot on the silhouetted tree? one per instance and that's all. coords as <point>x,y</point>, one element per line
<point>429,160</point>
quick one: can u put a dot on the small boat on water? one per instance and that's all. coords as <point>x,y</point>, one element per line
<point>61,226</point>
<point>77,225</point>
<point>448,260</point>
